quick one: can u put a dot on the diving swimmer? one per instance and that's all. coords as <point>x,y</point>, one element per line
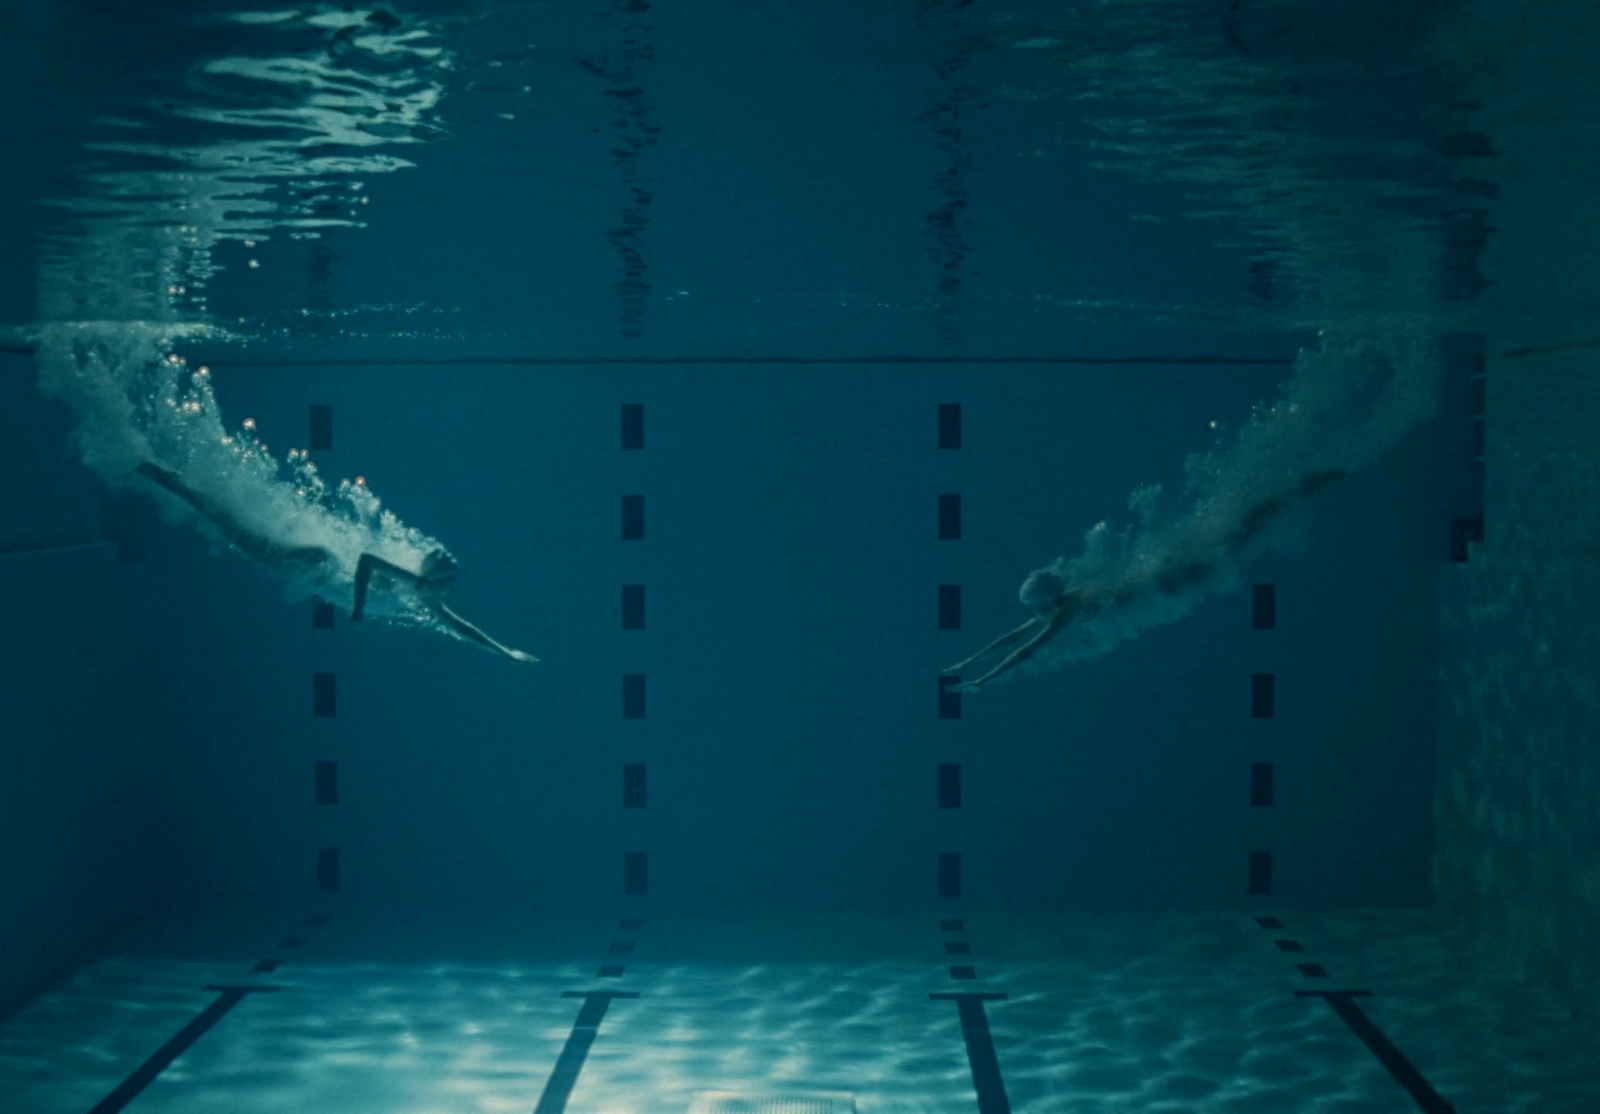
<point>1057,606</point>
<point>314,564</point>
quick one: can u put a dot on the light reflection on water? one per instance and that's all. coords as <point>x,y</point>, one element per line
<point>280,137</point>
<point>1173,1013</point>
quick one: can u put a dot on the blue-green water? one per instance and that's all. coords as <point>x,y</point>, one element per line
<point>1258,330</point>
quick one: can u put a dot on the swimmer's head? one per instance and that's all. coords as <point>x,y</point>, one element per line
<point>1042,589</point>
<point>438,571</point>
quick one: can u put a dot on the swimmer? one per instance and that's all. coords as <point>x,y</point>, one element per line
<point>319,565</point>
<point>1055,606</point>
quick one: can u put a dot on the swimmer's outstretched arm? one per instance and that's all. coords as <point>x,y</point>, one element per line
<point>998,644</point>
<point>370,562</point>
<point>364,570</point>
<point>1047,631</point>
<point>473,634</point>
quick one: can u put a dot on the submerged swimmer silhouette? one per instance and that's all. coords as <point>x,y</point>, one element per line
<point>313,563</point>
<point>1055,606</point>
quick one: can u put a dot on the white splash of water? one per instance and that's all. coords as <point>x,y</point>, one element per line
<point>1349,401</point>
<point>125,284</point>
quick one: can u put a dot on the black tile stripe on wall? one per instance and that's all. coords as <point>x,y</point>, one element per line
<point>633,425</point>
<point>1463,531</point>
<point>328,878</point>
<point>949,607</point>
<point>633,785</point>
<point>949,785</point>
<point>324,691</point>
<point>1261,785</point>
<point>962,971</point>
<point>614,970</point>
<point>1264,607</point>
<point>632,518</point>
<point>635,874</point>
<point>949,425</point>
<point>949,702</point>
<point>1263,695</point>
<point>329,867</point>
<point>1465,354</point>
<point>1260,873</point>
<point>327,783</point>
<point>633,696</point>
<point>949,874</point>
<point>635,864</point>
<point>633,607</point>
<point>1263,616</point>
<point>949,518</point>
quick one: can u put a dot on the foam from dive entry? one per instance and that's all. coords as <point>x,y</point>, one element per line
<point>1367,384</point>
<point>137,401</point>
<point>276,136</point>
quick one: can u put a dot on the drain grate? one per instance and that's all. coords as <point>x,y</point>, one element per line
<point>731,1102</point>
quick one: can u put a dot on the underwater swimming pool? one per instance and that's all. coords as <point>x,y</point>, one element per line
<point>499,490</point>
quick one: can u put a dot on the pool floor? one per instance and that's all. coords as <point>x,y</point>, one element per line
<point>334,1011</point>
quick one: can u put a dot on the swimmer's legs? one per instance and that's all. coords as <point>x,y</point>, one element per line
<point>172,482</point>
<point>1047,631</point>
<point>281,558</point>
<point>998,644</point>
<point>169,480</point>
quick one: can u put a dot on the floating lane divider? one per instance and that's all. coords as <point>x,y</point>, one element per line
<point>985,1063</point>
<point>230,995</point>
<point>1343,1004</point>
